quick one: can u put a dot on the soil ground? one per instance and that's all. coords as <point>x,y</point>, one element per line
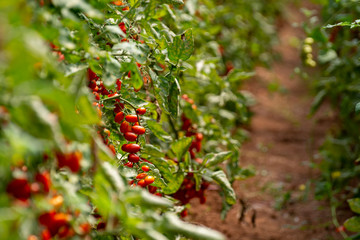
<point>284,141</point>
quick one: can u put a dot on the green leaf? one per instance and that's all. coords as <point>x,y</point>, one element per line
<point>171,223</point>
<point>213,159</point>
<point>159,181</point>
<point>152,151</point>
<point>319,98</point>
<point>220,178</point>
<point>354,205</point>
<point>161,91</point>
<point>158,131</point>
<point>113,176</point>
<point>182,47</point>
<point>173,180</point>
<point>143,198</point>
<point>353,224</point>
<point>180,146</point>
<point>136,78</point>
<point>174,98</point>
<point>115,29</point>
<point>175,2</point>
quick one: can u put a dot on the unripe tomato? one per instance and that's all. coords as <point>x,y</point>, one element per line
<point>142,183</point>
<point>149,180</point>
<point>131,118</point>
<point>141,110</point>
<point>133,158</point>
<point>125,127</point>
<point>130,136</point>
<point>145,168</point>
<point>132,148</point>
<point>141,175</point>
<point>119,117</point>
<point>138,129</point>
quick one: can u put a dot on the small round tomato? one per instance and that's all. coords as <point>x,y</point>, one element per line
<point>141,110</point>
<point>19,188</point>
<point>142,183</point>
<point>141,175</point>
<point>119,117</point>
<point>132,148</point>
<point>133,158</point>
<point>152,189</point>
<point>145,168</point>
<point>131,118</point>
<point>130,136</point>
<point>125,127</point>
<point>199,137</point>
<point>129,164</point>
<point>138,129</point>
<point>149,179</point>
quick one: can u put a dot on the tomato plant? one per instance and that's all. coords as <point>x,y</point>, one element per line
<point>101,97</point>
<point>335,50</point>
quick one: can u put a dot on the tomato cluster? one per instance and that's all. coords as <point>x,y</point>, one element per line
<point>130,128</point>
<point>190,130</point>
<point>22,189</point>
<point>188,191</point>
<point>55,223</point>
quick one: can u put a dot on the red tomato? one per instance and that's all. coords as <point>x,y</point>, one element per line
<point>125,127</point>
<point>129,164</point>
<point>138,129</point>
<point>141,175</point>
<point>133,158</point>
<point>199,137</point>
<point>152,189</point>
<point>122,27</point>
<point>130,136</point>
<point>131,118</point>
<point>70,160</point>
<point>44,179</point>
<point>119,117</point>
<point>149,180</point>
<point>19,188</point>
<point>141,110</point>
<point>118,84</point>
<point>133,148</point>
<point>145,168</point>
<point>142,183</point>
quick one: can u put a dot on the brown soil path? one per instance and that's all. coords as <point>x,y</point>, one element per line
<point>283,142</point>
